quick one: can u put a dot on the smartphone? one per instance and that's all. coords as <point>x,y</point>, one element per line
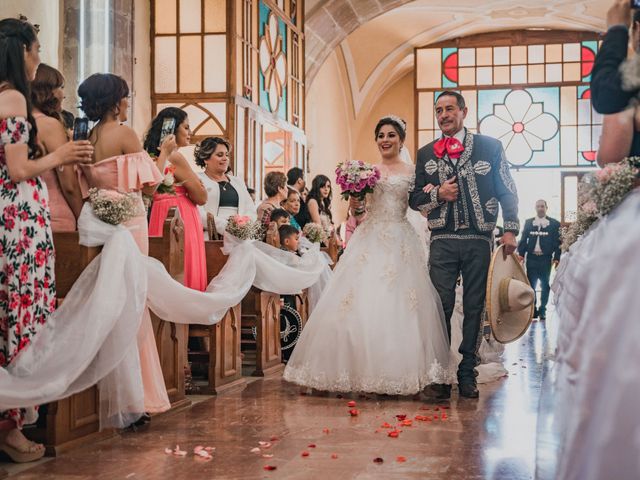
<point>168,127</point>
<point>635,4</point>
<point>80,129</point>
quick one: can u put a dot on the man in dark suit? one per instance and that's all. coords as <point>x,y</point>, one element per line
<point>540,244</point>
<point>471,179</point>
<point>607,93</point>
<point>295,181</point>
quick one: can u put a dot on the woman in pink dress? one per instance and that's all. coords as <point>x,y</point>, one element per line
<point>65,198</point>
<point>183,189</point>
<point>121,164</point>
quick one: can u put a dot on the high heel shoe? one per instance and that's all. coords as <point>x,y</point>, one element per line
<point>19,456</point>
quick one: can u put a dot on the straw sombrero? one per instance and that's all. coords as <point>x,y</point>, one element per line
<point>510,298</point>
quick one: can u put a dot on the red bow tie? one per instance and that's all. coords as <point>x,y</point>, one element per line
<point>449,145</point>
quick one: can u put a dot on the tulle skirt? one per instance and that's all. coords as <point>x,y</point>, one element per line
<point>597,384</point>
<point>379,325</point>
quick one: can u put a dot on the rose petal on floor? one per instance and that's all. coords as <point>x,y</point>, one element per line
<point>401,459</point>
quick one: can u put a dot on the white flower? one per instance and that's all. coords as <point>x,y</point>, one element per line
<point>169,180</point>
<point>521,125</point>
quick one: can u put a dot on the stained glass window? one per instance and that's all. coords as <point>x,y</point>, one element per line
<point>534,97</point>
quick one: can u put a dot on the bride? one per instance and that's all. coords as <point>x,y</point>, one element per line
<point>379,325</point>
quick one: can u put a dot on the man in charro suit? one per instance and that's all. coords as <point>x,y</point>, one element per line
<point>472,180</point>
<point>540,243</point>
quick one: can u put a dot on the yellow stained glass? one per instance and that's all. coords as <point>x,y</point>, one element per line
<point>215,16</point>
<point>218,110</point>
<point>572,72</point>
<point>429,68</point>
<point>425,117</point>
<point>467,76</point>
<point>536,73</point>
<point>484,57</point>
<point>501,75</point>
<point>165,60</point>
<point>518,55</point>
<point>190,16</point>
<point>215,63</point>
<point>165,16</point>
<point>553,53</point>
<point>190,64</point>
<point>209,128</point>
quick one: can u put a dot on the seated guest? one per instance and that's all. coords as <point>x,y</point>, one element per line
<point>289,238</point>
<point>319,204</point>
<point>280,216</point>
<point>65,197</point>
<point>186,192</point>
<point>292,205</point>
<point>227,195</point>
<point>275,186</point>
<point>295,181</point>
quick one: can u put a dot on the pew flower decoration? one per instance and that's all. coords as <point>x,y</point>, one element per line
<point>314,232</point>
<point>599,194</point>
<point>356,179</point>
<point>243,228</point>
<point>114,207</point>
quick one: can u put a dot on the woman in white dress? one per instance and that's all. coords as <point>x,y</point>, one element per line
<point>379,325</point>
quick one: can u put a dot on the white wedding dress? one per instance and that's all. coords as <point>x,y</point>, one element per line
<point>379,325</point>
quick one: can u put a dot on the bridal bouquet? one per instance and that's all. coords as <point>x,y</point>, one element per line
<point>244,228</point>
<point>114,207</point>
<point>599,194</point>
<point>314,232</point>
<point>356,178</point>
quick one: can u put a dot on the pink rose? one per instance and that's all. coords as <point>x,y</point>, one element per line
<point>24,273</point>
<point>241,220</point>
<point>41,257</point>
<point>590,207</point>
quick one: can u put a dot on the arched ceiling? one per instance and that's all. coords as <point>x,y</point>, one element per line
<point>376,36</point>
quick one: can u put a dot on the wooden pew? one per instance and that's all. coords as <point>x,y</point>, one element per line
<point>73,421</point>
<point>171,338</point>
<point>224,358</point>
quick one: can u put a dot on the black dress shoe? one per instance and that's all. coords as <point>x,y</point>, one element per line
<point>439,391</point>
<point>468,390</point>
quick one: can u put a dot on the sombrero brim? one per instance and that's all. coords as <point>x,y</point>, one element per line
<point>506,326</point>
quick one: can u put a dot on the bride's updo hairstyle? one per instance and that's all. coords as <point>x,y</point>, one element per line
<point>398,124</point>
<point>100,94</point>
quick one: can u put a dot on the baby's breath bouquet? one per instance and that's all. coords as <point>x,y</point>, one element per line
<point>314,232</point>
<point>599,194</point>
<point>244,228</point>
<point>114,207</point>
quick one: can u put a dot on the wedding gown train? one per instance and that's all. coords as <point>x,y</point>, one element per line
<point>379,325</point>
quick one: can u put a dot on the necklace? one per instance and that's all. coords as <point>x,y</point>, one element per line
<point>222,183</point>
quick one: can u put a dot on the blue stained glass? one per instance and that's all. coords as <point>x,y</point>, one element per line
<point>582,89</point>
<point>448,51</point>
<point>446,83</point>
<point>488,98</point>
<point>592,44</point>
<point>549,97</point>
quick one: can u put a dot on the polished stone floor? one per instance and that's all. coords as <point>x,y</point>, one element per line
<point>490,438</point>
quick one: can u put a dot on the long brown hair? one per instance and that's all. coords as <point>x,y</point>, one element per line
<point>42,97</point>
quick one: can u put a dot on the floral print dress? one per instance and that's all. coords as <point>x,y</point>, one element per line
<point>27,282</point>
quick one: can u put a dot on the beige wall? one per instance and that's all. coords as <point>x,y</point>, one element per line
<point>329,126</point>
<point>45,13</point>
<point>141,108</point>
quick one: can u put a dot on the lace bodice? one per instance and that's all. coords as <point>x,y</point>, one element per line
<point>390,199</point>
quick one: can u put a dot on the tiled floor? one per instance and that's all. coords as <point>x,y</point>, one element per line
<point>490,438</point>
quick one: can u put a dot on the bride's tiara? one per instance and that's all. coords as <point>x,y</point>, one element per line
<point>397,120</point>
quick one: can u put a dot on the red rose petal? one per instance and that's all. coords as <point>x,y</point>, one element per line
<point>401,459</point>
<point>334,456</point>
<point>311,445</point>
<point>269,467</point>
<point>378,460</point>
<point>274,439</point>
<point>351,404</point>
<point>325,430</point>
<point>401,417</point>
<point>394,433</point>
<point>435,417</point>
<point>305,454</point>
<point>354,412</point>
<point>385,425</point>
<point>407,423</point>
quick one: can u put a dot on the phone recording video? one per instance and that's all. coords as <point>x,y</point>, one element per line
<point>168,127</point>
<point>80,129</point>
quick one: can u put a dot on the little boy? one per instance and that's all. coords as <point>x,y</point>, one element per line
<point>289,238</point>
<point>280,216</point>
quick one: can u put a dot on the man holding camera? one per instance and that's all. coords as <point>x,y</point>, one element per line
<point>608,93</point>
